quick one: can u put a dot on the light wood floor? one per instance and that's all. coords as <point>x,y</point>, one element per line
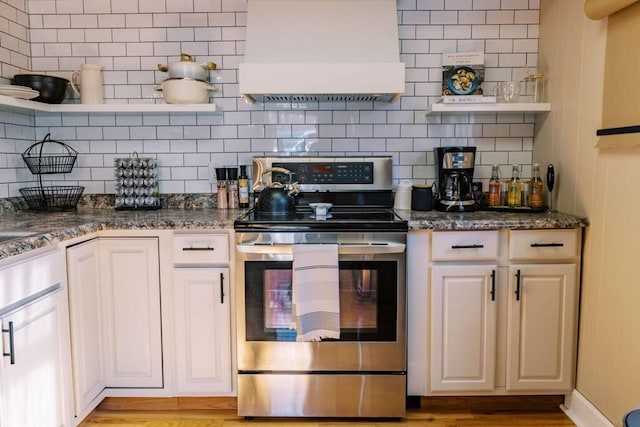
<point>433,413</point>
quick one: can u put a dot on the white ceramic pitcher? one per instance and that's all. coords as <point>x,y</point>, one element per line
<point>90,89</point>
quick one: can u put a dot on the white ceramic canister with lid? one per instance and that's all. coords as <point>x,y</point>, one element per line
<point>403,195</point>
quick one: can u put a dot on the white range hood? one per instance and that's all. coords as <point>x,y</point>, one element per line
<point>321,50</point>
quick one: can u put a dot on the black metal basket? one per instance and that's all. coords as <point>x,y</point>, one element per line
<point>52,198</point>
<point>41,162</point>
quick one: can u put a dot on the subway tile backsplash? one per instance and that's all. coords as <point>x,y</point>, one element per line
<point>130,37</point>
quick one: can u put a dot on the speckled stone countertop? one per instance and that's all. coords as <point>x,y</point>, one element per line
<point>45,229</point>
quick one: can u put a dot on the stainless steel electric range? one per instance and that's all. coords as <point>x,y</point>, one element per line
<point>363,373</point>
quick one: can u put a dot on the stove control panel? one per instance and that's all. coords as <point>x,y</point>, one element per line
<point>326,173</point>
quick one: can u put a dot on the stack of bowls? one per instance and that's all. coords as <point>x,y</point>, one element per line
<point>188,81</point>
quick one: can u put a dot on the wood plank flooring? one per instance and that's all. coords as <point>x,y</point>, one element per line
<point>433,412</point>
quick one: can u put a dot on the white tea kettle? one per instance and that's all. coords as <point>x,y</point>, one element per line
<point>90,88</point>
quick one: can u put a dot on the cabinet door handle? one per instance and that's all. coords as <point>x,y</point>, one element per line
<point>12,353</point>
<point>547,245</point>
<point>467,246</point>
<point>518,285</point>
<point>199,249</point>
<point>221,288</point>
<point>492,292</point>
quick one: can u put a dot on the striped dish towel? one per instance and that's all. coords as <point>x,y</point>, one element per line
<point>316,295</point>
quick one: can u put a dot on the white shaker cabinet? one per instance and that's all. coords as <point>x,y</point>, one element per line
<point>130,297</point>
<point>202,301</point>
<point>114,295</point>
<point>35,373</point>
<point>542,310</point>
<point>463,311</point>
<point>463,328</point>
<point>85,308</point>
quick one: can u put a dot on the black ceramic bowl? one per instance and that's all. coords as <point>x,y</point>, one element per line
<point>52,89</point>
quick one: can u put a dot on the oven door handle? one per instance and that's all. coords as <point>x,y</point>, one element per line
<point>343,249</point>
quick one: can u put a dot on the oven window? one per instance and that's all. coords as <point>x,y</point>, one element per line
<point>368,301</point>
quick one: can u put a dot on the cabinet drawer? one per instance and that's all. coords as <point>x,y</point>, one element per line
<point>201,249</point>
<point>464,245</point>
<point>543,244</point>
<point>29,277</point>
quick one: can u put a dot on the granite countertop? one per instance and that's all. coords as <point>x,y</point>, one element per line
<point>37,230</point>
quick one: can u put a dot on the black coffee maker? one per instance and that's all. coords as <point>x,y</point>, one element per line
<point>455,178</point>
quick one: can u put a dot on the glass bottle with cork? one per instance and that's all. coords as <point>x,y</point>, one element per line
<point>494,187</point>
<point>243,187</point>
<point>536,198</point>
<point>515,192</point>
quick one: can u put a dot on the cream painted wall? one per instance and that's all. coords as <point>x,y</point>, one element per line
<point>604,186</point>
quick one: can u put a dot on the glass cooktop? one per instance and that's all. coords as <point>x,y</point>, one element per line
<point>356,219</point>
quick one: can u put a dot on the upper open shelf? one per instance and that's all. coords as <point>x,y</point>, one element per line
<point>22,104</point>
<point>499,107</point>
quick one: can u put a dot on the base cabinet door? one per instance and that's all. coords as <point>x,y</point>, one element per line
<point>202,331</point>
<point>35,389</point>
<point>463,328</point>
<point>85,307</point>
<point>130,290</point>
<point>541,328</point>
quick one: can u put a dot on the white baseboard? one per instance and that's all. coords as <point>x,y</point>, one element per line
<point>582,412</point>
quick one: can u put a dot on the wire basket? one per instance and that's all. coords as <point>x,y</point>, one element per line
<point>52,198</point>
<point>40,162</point>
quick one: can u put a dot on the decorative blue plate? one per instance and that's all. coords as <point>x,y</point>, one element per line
<point>463,80</point>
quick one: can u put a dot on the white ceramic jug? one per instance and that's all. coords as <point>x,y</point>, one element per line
<point>90,89</point>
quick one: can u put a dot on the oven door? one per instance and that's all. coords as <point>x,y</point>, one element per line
<point>372,305</point>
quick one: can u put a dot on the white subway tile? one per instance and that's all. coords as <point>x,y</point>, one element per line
<point>139,20</point>
<point>92,35</point>
<point>193,20</point>
<point>458,4</point>
<point>476,17</point>
<point>166,20</point>
<point>237,145</point>
<point>153,35</point>
<point>180,34</point>
<point>486,4</point>
<point>527,17</point>
<point>513,60</point>
<point>386,131</point>
<point>444,17</point>
<point>430,4</point>
<point>415,17</point>
<point>500,17</point>
<point>151,6</point>
<point>69,6</point>
<point>223,19</point>
<point>111,21</point>
<point>124,6</point>
<point>457,31</point>
<point>513,31</point>
<point>207,5</point>
<point>183,146</point>
<point>344,144</point>
<point>515,4</point>
<point>42,6</point>
<point>84,21</point>
<point>500,46</point>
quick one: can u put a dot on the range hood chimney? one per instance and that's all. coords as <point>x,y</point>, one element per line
<point>321,50</point>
